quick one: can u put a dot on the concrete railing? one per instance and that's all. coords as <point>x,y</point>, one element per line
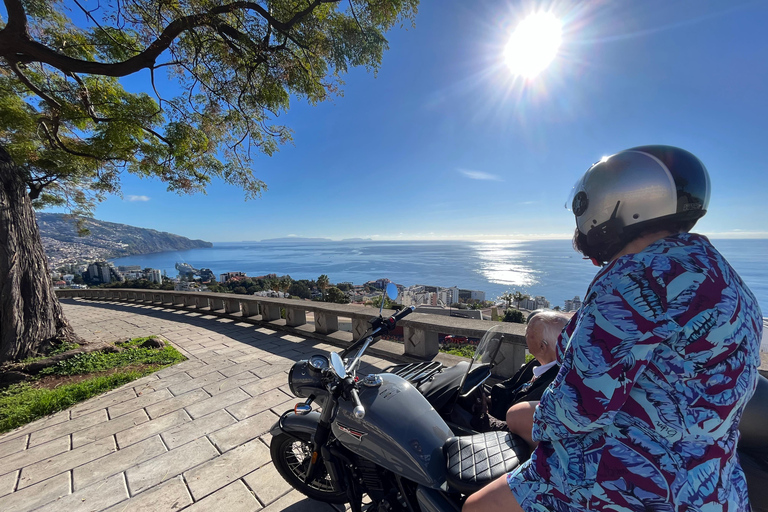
<point>420,331</point>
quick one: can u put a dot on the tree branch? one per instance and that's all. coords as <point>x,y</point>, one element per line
<point>17,19</point>
<point>16,44</point>
<point>32,87</point>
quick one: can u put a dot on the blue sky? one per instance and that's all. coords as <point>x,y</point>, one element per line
<point>445,142</point>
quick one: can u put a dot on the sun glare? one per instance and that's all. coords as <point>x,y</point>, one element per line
<point>534,44</point>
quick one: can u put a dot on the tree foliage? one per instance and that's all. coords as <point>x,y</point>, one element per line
<point>323,282</point>
<point>514,316</point>
<point>73,128</point>
<point>335,295</point>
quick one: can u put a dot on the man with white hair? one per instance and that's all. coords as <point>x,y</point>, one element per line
<point>541,337</point>
<point>530,381</point>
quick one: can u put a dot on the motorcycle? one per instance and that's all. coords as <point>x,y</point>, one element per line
<point>380,437</point>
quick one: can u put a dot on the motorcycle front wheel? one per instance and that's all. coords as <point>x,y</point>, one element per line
<point>291,455</point>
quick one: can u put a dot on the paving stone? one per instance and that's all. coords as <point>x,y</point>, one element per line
<point>36,495</point>
<point>124,422</point>
<point>67,427</point>
<point>280,360</point>
<point>267,483</point>
<point>117,462</point>
<point>151,428</point>
<point>230,383</point>
<point>242,367</point>
<point>272,369</point>
<point>288,405</point>
<point>95,497</point>
<point>194,429</point>
<point>138,403</point>
<point>8,482</point>
<point>24,458</point>
<point>172,495</point>
<point>13,445</point>
<point>226,468</point>
<point>176,403</point>
<point>229,351</point>
<point>164,383</point>
<point>243,431</point>
<point>184,366</point>
<point>292,338</point>
<point>235,497</point>
<point>170,464</point>
<point>103,401</point>
<point>65,461</point>
<point>297,502</point>
<point>257,404</point>
<point>197,382</point>
<point>265,384</point>
<point>217,402</point>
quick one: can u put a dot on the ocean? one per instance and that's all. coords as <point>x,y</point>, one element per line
<point>542,267</point>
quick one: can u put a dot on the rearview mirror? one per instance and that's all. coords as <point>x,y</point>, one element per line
<point>392,291</point>
<point>338,365</point>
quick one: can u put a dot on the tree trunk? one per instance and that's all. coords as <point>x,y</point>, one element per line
<point>31,318</point>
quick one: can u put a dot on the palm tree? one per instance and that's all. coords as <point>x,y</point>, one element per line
<point>285,283</point>
<point>323,283</point>
<point>508,298</point>
<point>519,296</point>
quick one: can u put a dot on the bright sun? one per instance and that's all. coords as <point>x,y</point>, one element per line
<point>533,44</point>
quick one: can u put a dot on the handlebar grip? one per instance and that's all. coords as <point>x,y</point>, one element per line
<point>403,313</point>
<point>359,410</point>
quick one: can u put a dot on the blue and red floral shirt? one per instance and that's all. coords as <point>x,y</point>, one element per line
<point>656,368</point>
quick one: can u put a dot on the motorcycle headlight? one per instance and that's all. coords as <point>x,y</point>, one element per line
<point>305,377</point>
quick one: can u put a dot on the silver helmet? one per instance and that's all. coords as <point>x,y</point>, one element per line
<point>635,189</point>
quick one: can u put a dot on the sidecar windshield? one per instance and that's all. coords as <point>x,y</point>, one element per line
<point>483,360</point>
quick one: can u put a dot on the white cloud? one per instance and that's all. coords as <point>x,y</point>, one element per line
<point>137,198</point>
<point>479,175</point>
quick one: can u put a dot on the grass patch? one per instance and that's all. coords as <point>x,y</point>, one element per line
<point>458,350</point>
<point>64,347</point>
<point>468,351</point>
<point>86,375</point>
<point>23,403</point>
<point>100,361</point>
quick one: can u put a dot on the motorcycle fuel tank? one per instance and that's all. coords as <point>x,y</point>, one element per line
<point>400,432</point>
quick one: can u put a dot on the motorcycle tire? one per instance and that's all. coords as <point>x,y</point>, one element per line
<point>290,454</point>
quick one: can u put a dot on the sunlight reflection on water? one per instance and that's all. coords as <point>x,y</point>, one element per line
<point>505,263</point>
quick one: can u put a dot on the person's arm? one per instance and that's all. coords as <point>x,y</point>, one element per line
<point>621,323</point>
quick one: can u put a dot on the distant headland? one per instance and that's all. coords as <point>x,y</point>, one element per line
<point>106,240</point>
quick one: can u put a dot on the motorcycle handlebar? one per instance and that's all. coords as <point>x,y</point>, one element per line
<point>402,313</point>
<point>359,410</point>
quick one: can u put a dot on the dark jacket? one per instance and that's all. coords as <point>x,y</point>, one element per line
<point>514,390</point>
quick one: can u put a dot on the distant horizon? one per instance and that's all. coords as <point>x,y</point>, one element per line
<point>470,238</point>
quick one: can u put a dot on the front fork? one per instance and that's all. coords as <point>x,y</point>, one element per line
<point>332,458</point>
<point>321,435</point>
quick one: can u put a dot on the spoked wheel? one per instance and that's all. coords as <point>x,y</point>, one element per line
<point>291,456</point>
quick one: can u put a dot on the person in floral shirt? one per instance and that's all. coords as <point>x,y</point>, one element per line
<point>657,365</point>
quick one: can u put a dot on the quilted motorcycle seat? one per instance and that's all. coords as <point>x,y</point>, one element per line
<point>474,461</point>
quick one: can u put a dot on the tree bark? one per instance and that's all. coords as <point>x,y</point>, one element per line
<point>31,318</point>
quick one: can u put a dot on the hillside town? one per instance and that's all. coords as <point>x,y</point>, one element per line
<point>453,301</point>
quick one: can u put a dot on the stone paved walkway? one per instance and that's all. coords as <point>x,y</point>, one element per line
<point>192,437</point>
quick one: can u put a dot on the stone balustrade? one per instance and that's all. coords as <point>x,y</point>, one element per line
<point>420,331</point>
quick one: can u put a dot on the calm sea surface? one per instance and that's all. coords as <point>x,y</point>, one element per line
<point>543,267</point>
